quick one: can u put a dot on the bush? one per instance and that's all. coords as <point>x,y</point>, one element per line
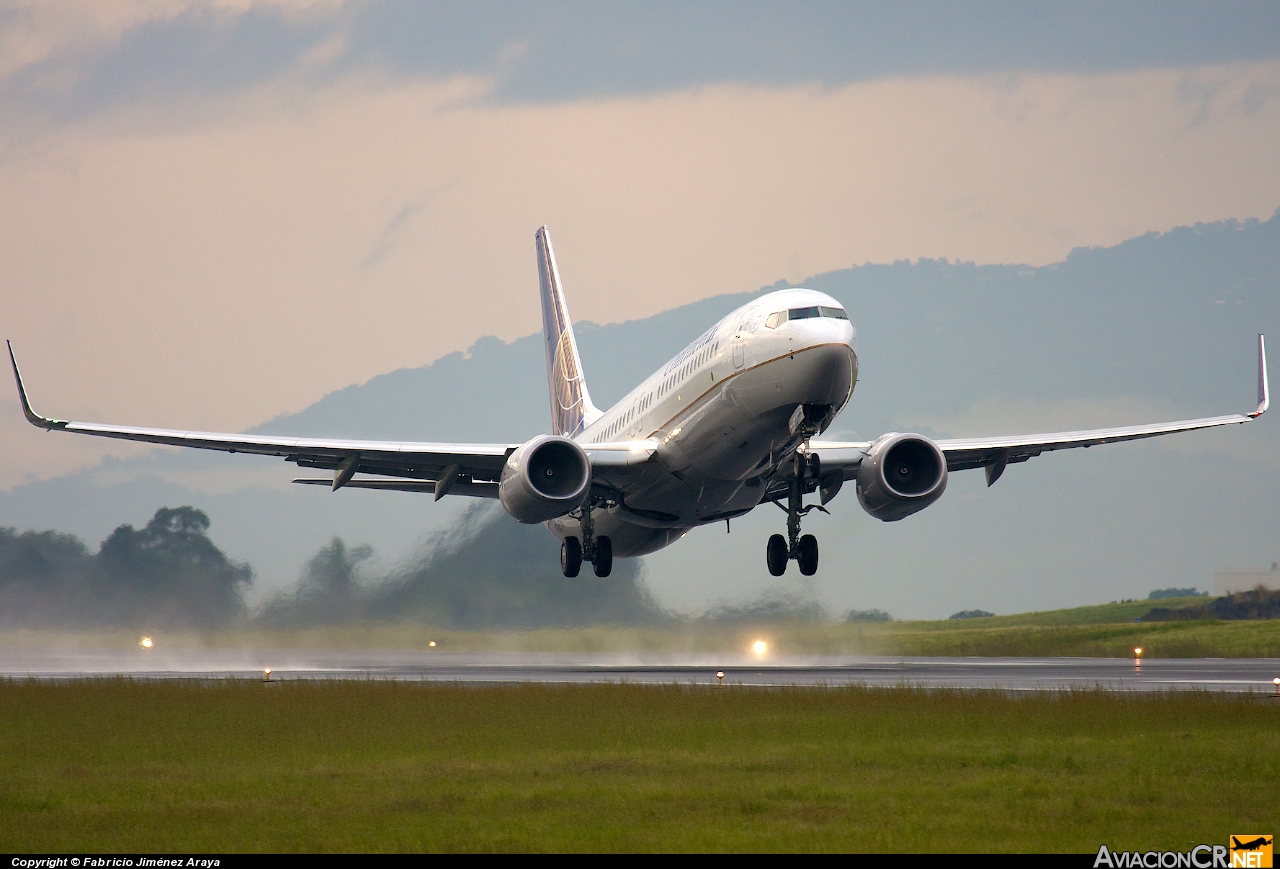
<point>867,616</point>
<point>1261,603</point>
<point>1162,593</point>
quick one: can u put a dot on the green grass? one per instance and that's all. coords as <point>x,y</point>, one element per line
<point>1096,631</point>
<point>1109,630</point>
<point>112,765</point>
<point>1193,639</point>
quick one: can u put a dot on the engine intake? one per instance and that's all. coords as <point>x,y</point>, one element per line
<point>547,477</point>
<point>902,474</point>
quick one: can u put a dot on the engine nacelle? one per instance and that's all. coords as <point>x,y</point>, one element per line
<point>547,477</point>
<point>902,474</point>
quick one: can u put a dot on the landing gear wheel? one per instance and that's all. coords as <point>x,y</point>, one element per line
<point>776,555</point>
<point>603,562</point>
<point>808,555</point>
<point>571,556</point>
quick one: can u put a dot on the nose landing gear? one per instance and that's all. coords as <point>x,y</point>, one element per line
<point>803,548</point>
<point>597,550</point>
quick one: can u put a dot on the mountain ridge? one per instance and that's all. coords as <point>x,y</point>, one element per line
<point>1163,323</point>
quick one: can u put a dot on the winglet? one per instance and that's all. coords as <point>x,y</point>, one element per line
<point>32,417</point>
<point>1264,389</point>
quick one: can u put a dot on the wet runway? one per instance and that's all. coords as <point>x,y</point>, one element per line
<point>1010,674</point>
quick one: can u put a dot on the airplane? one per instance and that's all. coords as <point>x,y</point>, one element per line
<point>731,422</point>
<point>1251,845</point>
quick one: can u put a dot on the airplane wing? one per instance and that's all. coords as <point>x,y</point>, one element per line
<point>441,468</point>
<point>995,453</point>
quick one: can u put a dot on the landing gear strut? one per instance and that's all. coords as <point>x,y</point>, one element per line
<point>597,550</point>
<point>803,548</point>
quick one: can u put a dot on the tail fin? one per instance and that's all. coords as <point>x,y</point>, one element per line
<point>571,407</point>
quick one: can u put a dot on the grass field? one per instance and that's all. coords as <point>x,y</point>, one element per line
<point>1109,630</point>
<point>113,765</point>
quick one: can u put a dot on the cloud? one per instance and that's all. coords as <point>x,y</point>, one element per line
<point>394,229</point>
<point>76,60</point>
<point>209,267</point>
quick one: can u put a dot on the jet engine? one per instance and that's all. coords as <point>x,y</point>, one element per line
<point>902,474</point>
<point>545,478</point>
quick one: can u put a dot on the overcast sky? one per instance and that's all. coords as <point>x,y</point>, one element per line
<point>214,213</point>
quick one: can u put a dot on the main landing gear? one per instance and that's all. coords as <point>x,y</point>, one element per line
<point>597,550</point>
<point>803,549</point>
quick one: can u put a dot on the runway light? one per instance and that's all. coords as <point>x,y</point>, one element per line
<point>1137,653</point>
<point>1276,682</point>
<point>266,675</point>
<point>720,676</point>
<point>145,642</point>
<point>759,647</point>
<point>432,644</point>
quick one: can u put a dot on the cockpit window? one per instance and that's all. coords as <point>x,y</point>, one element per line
<point>777,319</point>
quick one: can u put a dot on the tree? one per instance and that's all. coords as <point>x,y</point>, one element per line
<point>327,593</point>
<point>170,573</point>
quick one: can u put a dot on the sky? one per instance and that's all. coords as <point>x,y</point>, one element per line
<point>215,213</point>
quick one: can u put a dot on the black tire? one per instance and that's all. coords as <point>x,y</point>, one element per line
<point>808,555</point>
<point>776,555</point>
<point>571,556</point>
<point>815,466</point>
<point>603,563</point>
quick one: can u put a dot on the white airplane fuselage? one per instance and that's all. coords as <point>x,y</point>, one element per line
<point>721,412</point>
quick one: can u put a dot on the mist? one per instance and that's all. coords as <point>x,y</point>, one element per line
<point>168,574</point>
<point>489,571</point>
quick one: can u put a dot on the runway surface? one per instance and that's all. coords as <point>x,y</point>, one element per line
<point>1010,674</point>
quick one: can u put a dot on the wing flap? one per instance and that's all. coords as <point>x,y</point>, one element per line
<point>965,453</point>
<point>471,489</point>
<point>396,458</point>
